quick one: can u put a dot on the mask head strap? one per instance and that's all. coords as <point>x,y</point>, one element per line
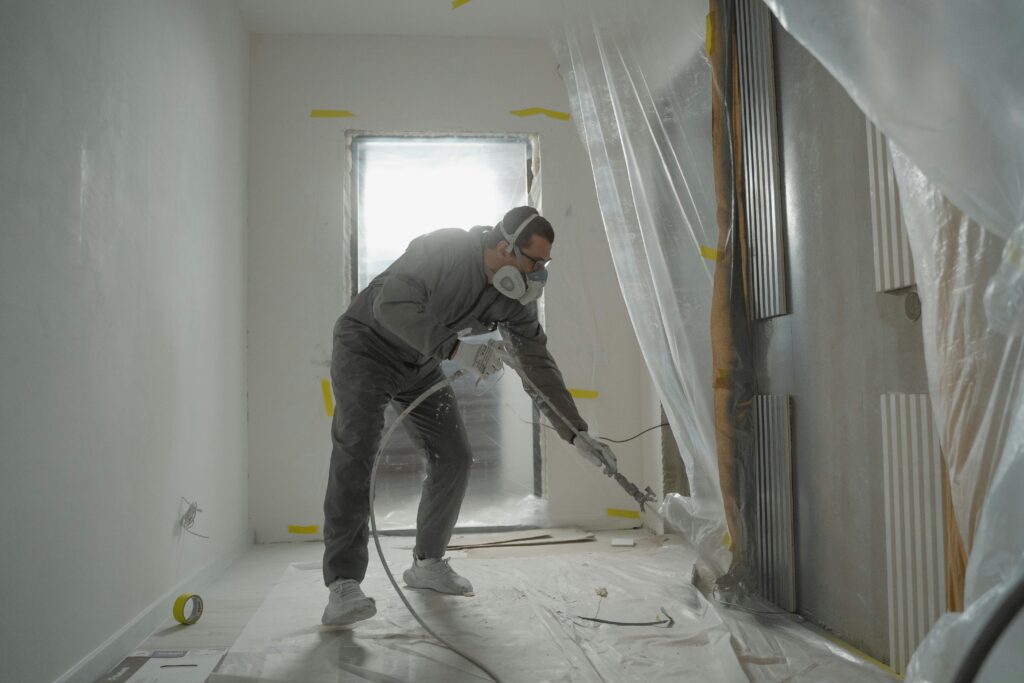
<point>511,239</point>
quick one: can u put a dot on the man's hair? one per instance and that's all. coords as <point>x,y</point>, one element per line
<point>538,226</point>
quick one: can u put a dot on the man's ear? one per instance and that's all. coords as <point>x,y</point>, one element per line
<point>502,246</point>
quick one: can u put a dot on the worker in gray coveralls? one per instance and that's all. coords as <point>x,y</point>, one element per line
<point>388,346</point>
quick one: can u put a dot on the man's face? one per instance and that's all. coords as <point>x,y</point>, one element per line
<point>534,256</point>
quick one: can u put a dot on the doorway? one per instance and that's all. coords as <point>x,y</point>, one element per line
<point>405,185</point>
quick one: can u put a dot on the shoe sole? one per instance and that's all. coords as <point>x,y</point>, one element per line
<point>361,612</point>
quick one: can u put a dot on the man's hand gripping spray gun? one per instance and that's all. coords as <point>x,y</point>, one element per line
<point>641,497</point>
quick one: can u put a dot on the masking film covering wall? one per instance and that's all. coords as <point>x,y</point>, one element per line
<point>944,81</point>
<point>975,380</point>
<point>944,84</point>
<point>640,84</point>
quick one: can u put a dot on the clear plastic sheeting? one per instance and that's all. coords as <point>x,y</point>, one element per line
<point>943,79</point>
<point>524,623</point>
<point>976,378</point>
<point>640,87</point>
<point>1004,297</point>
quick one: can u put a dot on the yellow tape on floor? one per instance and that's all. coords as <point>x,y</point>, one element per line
<point>859,653</point>
<point>187,609</point>
<point>311,529</point>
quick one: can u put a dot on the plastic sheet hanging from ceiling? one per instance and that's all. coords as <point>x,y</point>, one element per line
<point>945,82</point>
<point>640,87</point>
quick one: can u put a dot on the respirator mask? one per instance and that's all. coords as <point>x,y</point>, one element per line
<point>512,282</point>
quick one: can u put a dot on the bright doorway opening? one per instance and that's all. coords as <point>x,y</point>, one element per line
<point>403,186</point>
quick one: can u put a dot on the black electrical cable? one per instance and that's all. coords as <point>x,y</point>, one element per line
<point>605,438</point>
<point>601,438</point>
<point>660,622</point>
<point>990,633</point>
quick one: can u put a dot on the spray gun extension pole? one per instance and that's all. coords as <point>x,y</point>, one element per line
<point>641,497</point>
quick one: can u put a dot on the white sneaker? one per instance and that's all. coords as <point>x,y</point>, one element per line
<point>347,604</point>
<point>436,575</point>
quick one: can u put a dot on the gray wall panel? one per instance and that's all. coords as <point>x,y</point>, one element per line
<point>761,159</point>
<point>842,346</point>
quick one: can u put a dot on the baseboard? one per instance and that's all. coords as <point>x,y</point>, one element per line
<point>127,638</point>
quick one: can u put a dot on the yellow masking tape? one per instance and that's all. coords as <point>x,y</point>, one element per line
<point>710,254</point>
<point>628,514</point>
<point>1013,255</point>
<point>312,529</point>
<point>325,386</point>
<point>458,3</point>
<point>330,114</point>
<point>187,609</point>
<point>550,113</point>
<point>583,393</point>
<point>709,34</point>
<point>859,653</point>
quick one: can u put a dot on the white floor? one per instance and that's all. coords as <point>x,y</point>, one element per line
<point>522,623</point>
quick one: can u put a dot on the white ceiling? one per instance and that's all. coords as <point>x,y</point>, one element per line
<point>496,18</point>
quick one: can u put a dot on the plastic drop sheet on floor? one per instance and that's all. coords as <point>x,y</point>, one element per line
<point>523,623</point>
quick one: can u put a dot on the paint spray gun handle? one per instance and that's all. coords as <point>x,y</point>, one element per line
<point>596,453</point>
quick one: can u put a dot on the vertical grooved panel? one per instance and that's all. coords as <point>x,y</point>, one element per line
<point>915,553</point>
<point>761,160</point>
<point>773,500</point>
<point>894,268</point>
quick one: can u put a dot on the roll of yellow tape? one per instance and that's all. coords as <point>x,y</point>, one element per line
<point>188,608</point>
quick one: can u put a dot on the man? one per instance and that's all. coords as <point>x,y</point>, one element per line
<point>388,346</point>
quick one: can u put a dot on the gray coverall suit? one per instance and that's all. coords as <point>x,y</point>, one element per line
<point>388,346</point>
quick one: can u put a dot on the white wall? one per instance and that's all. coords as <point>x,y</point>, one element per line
<point>297,286</point>
<point>122,341</point>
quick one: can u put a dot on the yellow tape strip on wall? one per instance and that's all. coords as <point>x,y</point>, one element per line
<point>330,114</point>
<point>583,393</point>
<point>709,34</point>
<point>710,254</point>
<point>325,387</point>
<point>534,111</point>
<point>628,514</point>
<point>295,529</point>
<point>456,4</point>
